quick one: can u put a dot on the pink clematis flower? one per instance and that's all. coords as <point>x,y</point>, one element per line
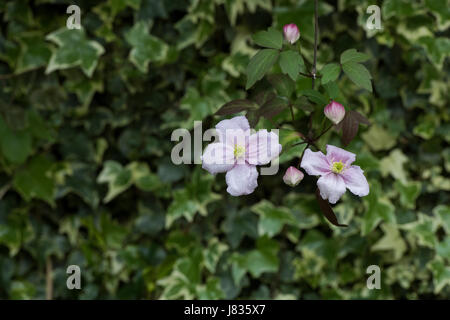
<point>337,173</point>
<point>238,153</point>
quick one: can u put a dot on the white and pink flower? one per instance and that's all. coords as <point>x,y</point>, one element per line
<point>336,173</point>
<point>335,112</point>
<point>238,152</point>
<point>293,176</point>
<point>291,33</point>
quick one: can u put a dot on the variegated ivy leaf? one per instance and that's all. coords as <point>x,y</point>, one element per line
<point>73,49</point>
<point>146,48</point>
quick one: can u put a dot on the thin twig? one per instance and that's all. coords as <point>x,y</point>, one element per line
<point>49,279</point>
<point>316,31</point>
<point>292,112</point>
<point>323,132</point>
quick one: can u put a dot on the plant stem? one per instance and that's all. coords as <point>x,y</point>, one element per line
<point>322,133</point>
<point>316,31</point>
<point>292,112</point>
<point>49,279</point>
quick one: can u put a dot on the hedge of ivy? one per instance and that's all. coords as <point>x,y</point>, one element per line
<point>86,179</point>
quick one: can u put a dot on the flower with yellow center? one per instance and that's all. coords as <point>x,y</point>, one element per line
<point>337,167</point>
<point>239,151</point>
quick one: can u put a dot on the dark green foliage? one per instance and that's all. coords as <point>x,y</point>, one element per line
<point>86,118</point>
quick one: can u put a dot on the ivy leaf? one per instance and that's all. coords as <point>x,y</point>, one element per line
<point>408,193</point>
<point>330,72</point>
<point>118,178</point>
<point>272,219</point>
<point>34,52</point>
<point>213,253</point>
<point>392,240</point>
<point>74,49</point>
<point>358,74</point>
<point>146,48</point>
<point>259,65</point>
<point>272,38</point>
<point>441,274</point>
<point>443,214</point>
<point>424,229</point>
<point>192,199</point>
<point>291,63</point>
<point>264,258</point>
<point>35,181</point>
<point>236,106</point>
<point>379,209</point>
<point>393,165</point>
<point>351,55</point>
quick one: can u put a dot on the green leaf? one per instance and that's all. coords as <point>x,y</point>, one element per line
<point>74,49</point>
<point>393,165</point>
<point>379,208</point>
<point>192,199</point>
<point>315,96</point>
<point>441,275</point>
<point>358,74</point>
<point>35,180</point>
<point>443,214</point>
<point>212,254</point>
<point>291,63</point>
<point>272,219</point>
<point>377,138</point>
<point>351,55</point>
<point>34,52</point>
<point>272,38</point>
<point>423,230</point>
<point>330,72</point>
<point>283,84</point>
<point>118,178</point>
<point>16,146</point>
<point>146,48</point>
<point>408,193</point>
<point>392,240</point>
<point>264,258</point>
<point>259,65</point>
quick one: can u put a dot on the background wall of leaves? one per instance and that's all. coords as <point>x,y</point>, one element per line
<point>86,176</point>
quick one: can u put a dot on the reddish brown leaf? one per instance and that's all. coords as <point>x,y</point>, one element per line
<point>236,106</point>
<point>327,210</point>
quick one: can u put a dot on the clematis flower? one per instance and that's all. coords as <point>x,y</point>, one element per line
<point>337,173</point>
<point>293,176</point>
<point>335,112</point>
<point>238,153</point>
<point>291,33</point>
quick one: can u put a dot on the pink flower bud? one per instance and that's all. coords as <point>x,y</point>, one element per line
<point>335,112</point>
<point>293,176</point>
<point>291,32</point>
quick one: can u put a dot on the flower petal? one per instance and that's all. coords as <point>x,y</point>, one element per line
<point>218,157</point>
<point>355,181</point>
<point>335,154</point>
<point>262,147</point>
<point>228,129</point>
<point>242,179</point>
<point>331,187</point>
<point>315,163</point>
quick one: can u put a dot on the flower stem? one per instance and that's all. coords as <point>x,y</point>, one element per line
<point>316,31</point>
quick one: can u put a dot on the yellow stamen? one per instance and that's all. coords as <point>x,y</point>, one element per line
<point>239,151</point>
<point>337,167</point>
